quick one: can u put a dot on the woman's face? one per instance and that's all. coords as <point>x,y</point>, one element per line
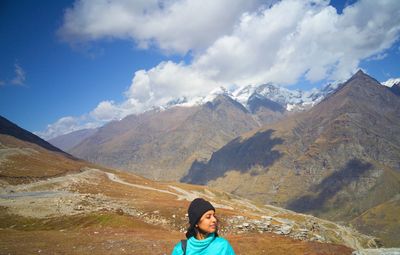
<point>208,223</point>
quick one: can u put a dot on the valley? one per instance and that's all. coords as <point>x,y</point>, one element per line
<point>266,179</point>
<point>106,211</point>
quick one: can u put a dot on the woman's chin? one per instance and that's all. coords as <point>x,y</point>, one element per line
<point>212,230</point>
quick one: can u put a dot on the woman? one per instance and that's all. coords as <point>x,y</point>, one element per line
<point>202,234</point>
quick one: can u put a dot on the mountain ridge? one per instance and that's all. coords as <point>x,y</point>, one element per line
<point>11,129</point>
<point>334,158</point>
<point>70,140</point>
<point>288,99</point>
<point>163,144</point>
<point>99,210</point>
<point>25,157</point>
<point>251,100</point>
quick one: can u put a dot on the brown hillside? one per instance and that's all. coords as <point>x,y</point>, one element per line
<point>336,161</point>
<point>110,212</point>
<point>162,145</point>
<point>70,207</point>
<point>24,157</point>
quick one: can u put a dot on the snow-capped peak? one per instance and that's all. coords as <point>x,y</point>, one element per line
<point>199,100</point>
<point>289,99</point>
<point>389,83</point>
<point>243,94</point>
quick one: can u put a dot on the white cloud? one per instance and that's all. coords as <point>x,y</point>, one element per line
<point>313,41</point>
<point>168,81</point>
<point>109,110</point>
<point>106,110</point>
<point>172,25</point>
<point>379,56</point>
<point>67,125</point>
<point>156,87</point>
<point>244,41</point>
<point>19,78</point>
<point>234,43</point>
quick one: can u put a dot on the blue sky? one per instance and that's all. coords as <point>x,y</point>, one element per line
<point>67,65</point>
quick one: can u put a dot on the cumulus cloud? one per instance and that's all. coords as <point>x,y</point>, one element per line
<point>106,111</point>
<point>234,43</point>
<point>172,25</point>
<point>67,125</point>
<point>156,87</point>
<point>247,41</point>
<point>314,40</point>
<point>109,110</point>
<point>168,81</point>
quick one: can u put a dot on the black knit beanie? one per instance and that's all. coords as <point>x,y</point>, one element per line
<point>196,209</point>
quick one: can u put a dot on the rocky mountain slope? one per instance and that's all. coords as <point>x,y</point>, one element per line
<point>381,220</point>
<point>69,141</point>
<point>162,144</point>
<point>266,102</point>
<point>198,127</point>
<point>393,85</point>
<point>7,128</point>
<point>25,157</point>
<point>396,89</point>
<point>103,211</point>
<point>336,160</point>
<point>288,99</point>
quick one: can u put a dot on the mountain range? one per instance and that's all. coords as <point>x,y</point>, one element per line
<point>163,143</point>
<point>332,152</point>
<point>338,160</point>
<point>51,202</point>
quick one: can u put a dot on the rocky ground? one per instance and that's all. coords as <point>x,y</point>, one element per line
<point>382,251</point>
<point>109,212</point>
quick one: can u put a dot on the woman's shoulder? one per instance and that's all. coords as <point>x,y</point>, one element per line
<point>223,245</point>
<point>177,249</point>
<point>221,241</point>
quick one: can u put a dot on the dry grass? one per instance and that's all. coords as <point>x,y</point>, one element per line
<point>271,244</point>
<point>383,221</point>
<point>109,230</point>
<point>108,233</point>
<point>24,162</point>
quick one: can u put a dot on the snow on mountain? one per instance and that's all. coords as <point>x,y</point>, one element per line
<point>200,100</point>
<point>277,94</point>
<point>389,83</point>
<point>290,99</point>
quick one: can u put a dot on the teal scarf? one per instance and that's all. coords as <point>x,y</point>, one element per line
<point>212,245</point>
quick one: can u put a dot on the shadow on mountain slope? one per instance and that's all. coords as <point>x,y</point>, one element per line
<point>330,186</point>
<point>239,155</point>
<point>11,129</point>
